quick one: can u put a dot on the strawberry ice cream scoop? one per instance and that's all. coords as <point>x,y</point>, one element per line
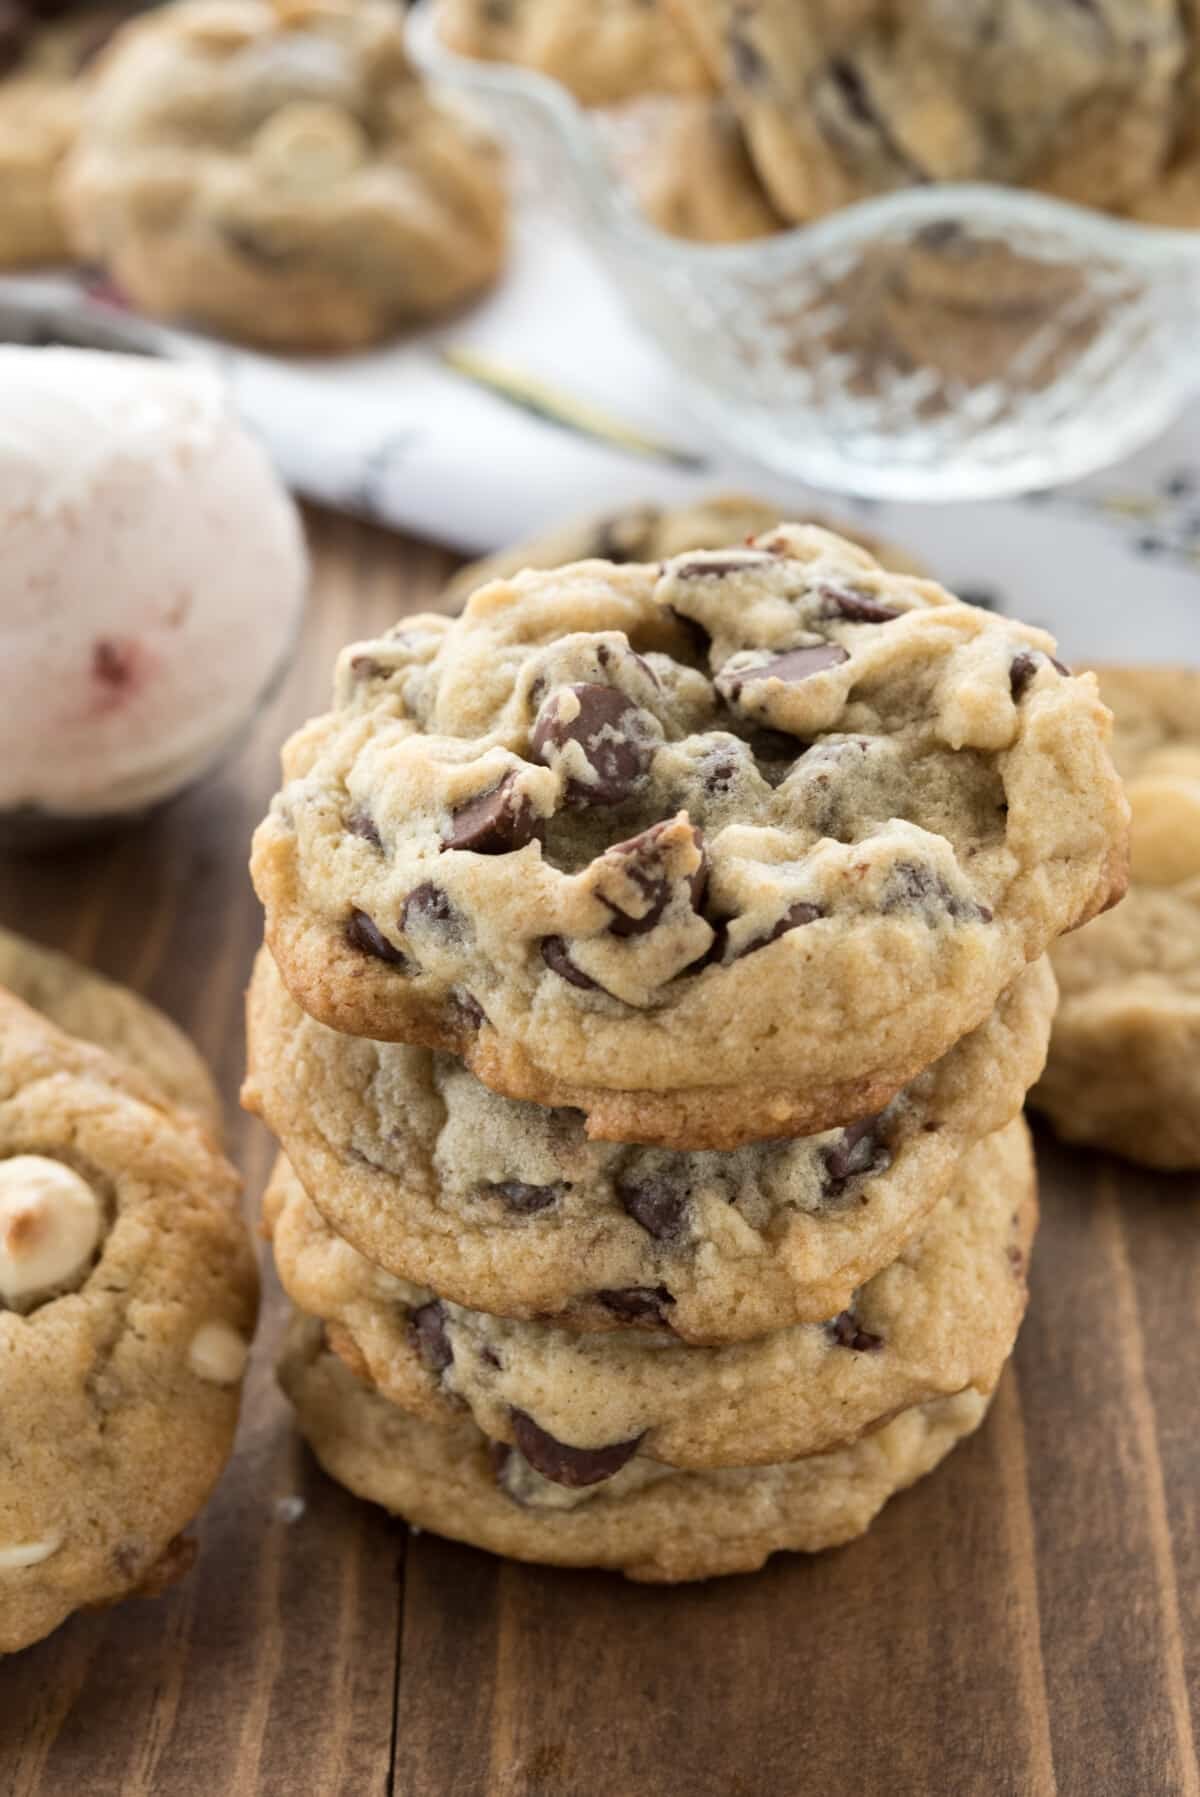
<point>151,583</point>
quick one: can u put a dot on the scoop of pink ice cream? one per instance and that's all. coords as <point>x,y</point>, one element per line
<point>151,583</point>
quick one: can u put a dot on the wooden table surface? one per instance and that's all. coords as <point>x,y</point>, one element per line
<point>1026,1621</point>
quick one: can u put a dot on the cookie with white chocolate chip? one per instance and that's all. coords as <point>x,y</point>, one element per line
<point>128,1292</point>
<point>940,1319</point>
<point>715,851</point>
<point>1124,1067</point>
<point>275,170</point>
<point>651,1522</point>
<point>508,1208</point>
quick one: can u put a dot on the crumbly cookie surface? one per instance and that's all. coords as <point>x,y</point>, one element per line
<point>85,1004</point>
<point>941,1318</point>
<point>603,53</point>
<point>508,1207</point>
<point>715,851</point>
<point>648,1521</point>
<point>127,1298</point>
<point>842,101</point>
<point>274,169</point>
<point>653,533</point>
<point>1124,1067</point>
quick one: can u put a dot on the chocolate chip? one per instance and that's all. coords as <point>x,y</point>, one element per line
<point>469,1009</point>
<point>1025,665</point>
<point>794,918</point>
<point>499,1454</point>
<point>365,667</point>
<point>428,904</point>
<point>856,607</point>
<point>524,1200</point>
<point>641,862</point>
<point>915,883</point>
<point>574,1467</point>
<point>366,936</point>
<point>847,1333</point>
<point>734,561</point>
<point>638,1303</point>
<point>655,1200</point>
<point>857,1152</point>
<point>428,1326</point>
<point>792,667</point>
<point>554,954</point>
<point>604,728</point>
<point>494,822</point>
<point>359,824</point>
<point>853,90</point>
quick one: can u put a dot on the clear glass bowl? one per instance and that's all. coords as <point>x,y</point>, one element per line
<point>945,342</point>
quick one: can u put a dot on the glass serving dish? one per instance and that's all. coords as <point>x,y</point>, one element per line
<point>945,342</point>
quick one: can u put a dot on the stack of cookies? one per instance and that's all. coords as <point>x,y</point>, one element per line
<point>654,976</point>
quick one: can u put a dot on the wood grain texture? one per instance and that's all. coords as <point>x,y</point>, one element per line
<point>1026,1622</point>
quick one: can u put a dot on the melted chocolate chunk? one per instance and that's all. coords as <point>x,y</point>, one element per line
<point>366,936</point>
<point>1025,665</point>
<point>359,824</point>
<point>794,918</point>
<point>855,607</point>
<point>525,1200</point>
<point>847,1333</point>
<point>493,823</point>
<point>557,959</point>
<point>857,1152</point>
<point>734,561</point>
<point>643,866</point>
<point>792,667</point>
<point>916,884</point>
<point>428,1325</point>
<point>603,728</point>
<point>638,1303</point>
<point>428,904</point>
<point>469,1009</point>
<point>573,1467</point>
<point>654,1200</point>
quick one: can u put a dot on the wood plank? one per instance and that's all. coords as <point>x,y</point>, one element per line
<point>1026,1622</point>
<point>271,1669</point>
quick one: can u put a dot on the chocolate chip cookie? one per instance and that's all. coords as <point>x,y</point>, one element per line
<point>1124,1067</point>
<point>654,533</point>
<point>602,53</point>
<point>696,178</point>
<point>646,1520</point>
<point>45,47</point>
<point>127,1298</point>
<point>715,851</point>
<point>508,1207</point>
<point>275,170</point>
<point>83,1003</point>
<point>940,1319</point>
<point>839,102</point>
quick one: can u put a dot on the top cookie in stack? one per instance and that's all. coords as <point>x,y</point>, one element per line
<point>715,851</point>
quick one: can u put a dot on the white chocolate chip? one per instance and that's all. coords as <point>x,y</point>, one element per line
<point>50,1223</point>
<point>28,1553</point>
<point>1166,828</point>
<point>218,1354</point>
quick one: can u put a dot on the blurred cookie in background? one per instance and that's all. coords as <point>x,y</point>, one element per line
<point>696,178</point>
<point>46,47</point>
<point>653,533</point>
<point>603,51</point>
<point>275,170</point>
<point>1124,1067</point>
